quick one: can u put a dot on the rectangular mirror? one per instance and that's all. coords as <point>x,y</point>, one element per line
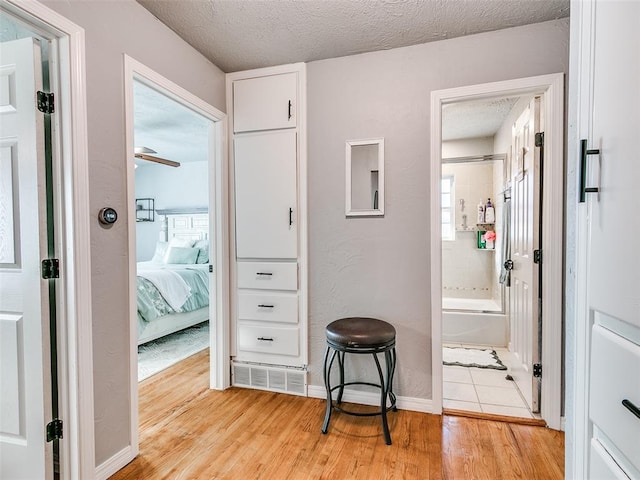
<point>365,178</point>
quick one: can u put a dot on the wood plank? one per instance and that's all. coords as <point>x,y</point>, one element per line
<point>189,431</point>
<point>496,418</point>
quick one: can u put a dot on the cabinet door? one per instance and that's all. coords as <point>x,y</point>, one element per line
<point>614,263</point>
<point>265,103</point>
<point>265,187</point>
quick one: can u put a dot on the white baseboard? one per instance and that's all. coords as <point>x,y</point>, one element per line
<point>115,463</point>
<point>563,424</point>
<point>369,398</point>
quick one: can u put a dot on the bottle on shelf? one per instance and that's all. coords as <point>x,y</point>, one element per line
<point>480,213</point>
<point>481,243</point>
<point>489,212</point>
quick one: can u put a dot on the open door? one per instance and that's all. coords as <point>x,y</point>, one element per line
<point>525,241</point>
<point>25,405</point>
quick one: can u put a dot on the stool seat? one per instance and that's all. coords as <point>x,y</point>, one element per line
<point>360,332</point>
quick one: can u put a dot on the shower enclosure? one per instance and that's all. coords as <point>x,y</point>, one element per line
<point>473,299</point>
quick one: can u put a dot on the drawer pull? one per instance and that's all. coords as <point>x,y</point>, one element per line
<point>265,339</point>
<point>265,306</point>
<point>628,404</point>
<point>268,274</point>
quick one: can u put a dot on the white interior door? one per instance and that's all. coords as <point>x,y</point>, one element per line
<point>24,338</point>
<point>266,210</point>
<point>525,221</point>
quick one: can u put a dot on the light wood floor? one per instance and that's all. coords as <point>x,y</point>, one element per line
<point>190,432</point>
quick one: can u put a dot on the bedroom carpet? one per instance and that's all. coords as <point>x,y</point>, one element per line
<point>159,354</point>
<point>472,357</point>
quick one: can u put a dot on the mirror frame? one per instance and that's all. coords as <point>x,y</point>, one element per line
<point>379,212</point>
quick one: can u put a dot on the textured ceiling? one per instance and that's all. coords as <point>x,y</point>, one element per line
<point>475,119</point>
<point>172,130</point>
<point>244,34</point>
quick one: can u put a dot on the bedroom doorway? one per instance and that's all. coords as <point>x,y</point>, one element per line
<point>503,322</point>
<point>178,242</point>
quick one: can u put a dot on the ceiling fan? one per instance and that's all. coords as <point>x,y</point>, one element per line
<point>143,153</point>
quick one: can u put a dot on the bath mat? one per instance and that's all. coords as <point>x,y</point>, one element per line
<point>472,357</point>
<point>163,352</point>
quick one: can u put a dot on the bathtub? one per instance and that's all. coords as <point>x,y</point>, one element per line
<point>474,321</point>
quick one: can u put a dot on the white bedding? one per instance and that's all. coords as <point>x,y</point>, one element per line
<point>170,285</point>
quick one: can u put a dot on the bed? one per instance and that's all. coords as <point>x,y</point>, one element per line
<point>173,287</point>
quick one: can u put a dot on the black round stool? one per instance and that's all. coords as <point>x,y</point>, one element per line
<point>361,335</point>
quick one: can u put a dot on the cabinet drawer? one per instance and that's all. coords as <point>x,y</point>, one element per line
<point>268,307</point>
<point>271,340</point>
<point>615,363</point>
<point>267,275</point>
<point>602,466</point>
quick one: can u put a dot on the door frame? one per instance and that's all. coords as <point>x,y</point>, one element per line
<point>218,201</point>
<point>552,86</point>
<point>72,216</point>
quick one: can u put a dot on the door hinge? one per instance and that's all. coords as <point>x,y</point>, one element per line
<point>54,430</point>
<point>537,256</point>
<point>210,268</point>
<point>45,102</point>
<point>50,268</point>
<point>537,370</point>
<point>539,139</point>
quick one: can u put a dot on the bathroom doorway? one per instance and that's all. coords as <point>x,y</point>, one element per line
<point>491,216</point>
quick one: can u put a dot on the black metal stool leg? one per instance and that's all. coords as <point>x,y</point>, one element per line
<point>341,361</point>
<point>390,358</point>
<point>383,402</point>
<point>327,382</point>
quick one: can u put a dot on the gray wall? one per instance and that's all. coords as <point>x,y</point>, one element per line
<point>112,29</point>
<point>380,266</point>
<point>170,187</point>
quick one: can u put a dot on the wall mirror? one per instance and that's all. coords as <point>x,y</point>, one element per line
<point>365,178</point>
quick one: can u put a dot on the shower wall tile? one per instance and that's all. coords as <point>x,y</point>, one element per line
<point>466,271</point>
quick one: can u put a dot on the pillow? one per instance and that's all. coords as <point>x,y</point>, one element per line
<point>203,251</point>
<point>181,242</point>
<point>181,255</point>
<point>161,250</point>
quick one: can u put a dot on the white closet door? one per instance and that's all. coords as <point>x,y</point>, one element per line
<point>266,211</point>
<point>265,103</point>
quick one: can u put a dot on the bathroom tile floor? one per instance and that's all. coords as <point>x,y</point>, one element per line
<point>483,390</point>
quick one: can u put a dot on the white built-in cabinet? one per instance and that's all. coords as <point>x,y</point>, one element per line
<point>265,188</point>
<point>606,403</point>
<point>269,302</point>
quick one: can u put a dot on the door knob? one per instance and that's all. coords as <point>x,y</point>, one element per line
<point>508,265</point>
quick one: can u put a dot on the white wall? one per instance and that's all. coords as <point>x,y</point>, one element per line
<point>467,147</point>
<point>181,187</point>
<point>113,29</point>
<point>380,266</point>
